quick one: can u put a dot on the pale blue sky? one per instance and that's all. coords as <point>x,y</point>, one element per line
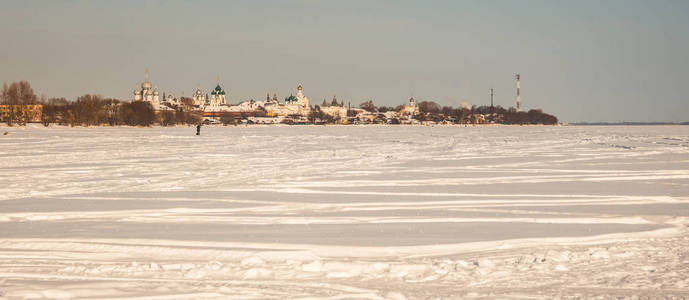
<point>580,60</point>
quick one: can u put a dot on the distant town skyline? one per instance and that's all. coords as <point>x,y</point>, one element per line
<point>582,61</point>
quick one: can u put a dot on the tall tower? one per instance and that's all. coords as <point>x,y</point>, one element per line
<point>519,97</point>
<point>492,109</point>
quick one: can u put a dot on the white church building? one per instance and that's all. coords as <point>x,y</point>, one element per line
<point>335,109</point>
<point>216,98</point>
<point>147,93</point>
<point>412,109</point>
<point>297,105</point>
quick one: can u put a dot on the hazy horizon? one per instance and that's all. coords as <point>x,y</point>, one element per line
<point>581,61</point>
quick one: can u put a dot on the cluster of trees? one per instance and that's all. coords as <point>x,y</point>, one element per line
<point>94,110</point>
<point>88,110</point>
<point>432,111</point>
<point>317,116</point>
<point>17,100</point>
<point>488,114</point>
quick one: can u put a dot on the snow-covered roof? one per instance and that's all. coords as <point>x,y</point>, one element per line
<point>390,114</point>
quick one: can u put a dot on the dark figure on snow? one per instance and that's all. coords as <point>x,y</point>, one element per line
<point>198,129</point>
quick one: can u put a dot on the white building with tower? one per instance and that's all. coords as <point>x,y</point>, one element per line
<point>297,105</point>
<point>335,109</point>
<point>412,109</point>
<point>147,92</point>
<point>215,99</point>
<point>217,96</point>
<point>199,98</point>
<point>170,99</point>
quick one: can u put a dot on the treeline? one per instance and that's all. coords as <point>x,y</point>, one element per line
<point>93,110</point>
<point>19,102</point>
<point>432,111</point>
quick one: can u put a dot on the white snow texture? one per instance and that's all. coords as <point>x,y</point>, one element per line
<point>344,212</point>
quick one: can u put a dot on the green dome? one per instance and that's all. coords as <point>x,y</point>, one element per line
<point>218,90</point>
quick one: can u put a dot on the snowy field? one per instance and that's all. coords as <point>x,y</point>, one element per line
<point>344,212</point>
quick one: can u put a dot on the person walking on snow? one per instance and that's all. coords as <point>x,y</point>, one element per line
<point>198,129</point>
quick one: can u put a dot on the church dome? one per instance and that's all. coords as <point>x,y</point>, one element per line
<point>146,85</point>
<point>218,90</point>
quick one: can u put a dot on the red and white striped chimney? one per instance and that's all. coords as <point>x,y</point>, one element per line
<point>519,97</point>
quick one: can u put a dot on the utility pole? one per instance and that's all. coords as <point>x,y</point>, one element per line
<point>492,108</point>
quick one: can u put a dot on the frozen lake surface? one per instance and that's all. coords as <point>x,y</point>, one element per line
<point>344,212</point>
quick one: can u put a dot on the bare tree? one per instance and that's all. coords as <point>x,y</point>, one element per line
<point>187,103</point>
<point>429,107</point>
<point>4,101</point>
<point>227,119</point>
<point>3,94</point>
<point>26,94</point>
<point>49,115</point>
<point>112,111</point>
<point>89,110</point>
<point>167,118</point>
<point>368,106</point>
<point>138,113</point>
<point>181,116</point>
<point>18,96</point>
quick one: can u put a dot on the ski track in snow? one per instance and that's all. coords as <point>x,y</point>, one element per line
<point>344,212</point>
